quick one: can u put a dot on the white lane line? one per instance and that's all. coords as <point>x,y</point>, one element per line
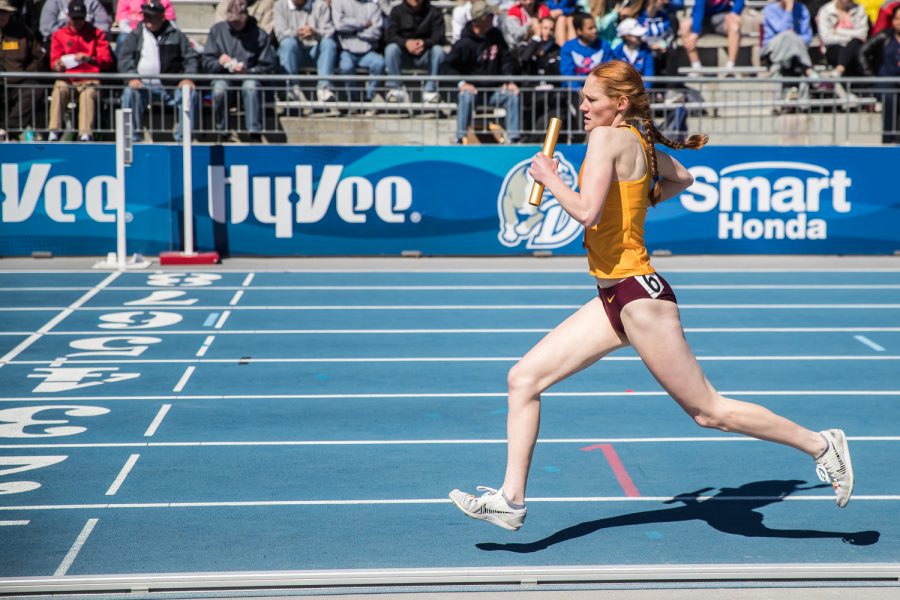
<point>525,270</point>
<point>486,330</point>
<point>445,359</point>
<point>236,298</point>
<point>380,502</point>
<point>120,478</point>
<point>442,442</point>
<point>248,279</point>
<point>222,319</point>
<point>13,523</point>
<point>529,307</point>
<point>58,318</point>
<point>76,548</point>
<point>157,420</point>
<point>458,395</point>
<point>863,339</point>
<point>184,379</point>
<point>468,288</point>
<point>206,344</point>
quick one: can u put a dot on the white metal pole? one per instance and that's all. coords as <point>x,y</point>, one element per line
<point>188,181</point>
<point>120,181</point>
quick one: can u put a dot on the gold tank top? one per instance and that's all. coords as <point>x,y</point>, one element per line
<point>615,245</point>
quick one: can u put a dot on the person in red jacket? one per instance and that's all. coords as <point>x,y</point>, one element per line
<point>79,47</point>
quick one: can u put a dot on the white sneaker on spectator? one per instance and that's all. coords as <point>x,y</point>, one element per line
<point>297,94</point>
<point>397,95</point>
<point>431,97</point>
<point>324,94</point>
<point>53,136</point>
<point>85,137</point>
<point>3,135</point>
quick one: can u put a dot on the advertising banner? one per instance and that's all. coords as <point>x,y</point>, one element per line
<point>324,201</point>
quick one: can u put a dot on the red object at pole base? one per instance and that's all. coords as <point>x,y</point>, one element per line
<point>180,258</point>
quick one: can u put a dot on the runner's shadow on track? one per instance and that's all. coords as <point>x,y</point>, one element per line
<point>732,510</point>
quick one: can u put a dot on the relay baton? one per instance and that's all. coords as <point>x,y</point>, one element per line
<point>537,189</point>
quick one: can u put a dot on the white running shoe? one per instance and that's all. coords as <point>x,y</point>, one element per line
<point>431,97</point>
<point>395,95</point>
<point>324,94</point>
<point>834,465</point>
<point>491,506</point>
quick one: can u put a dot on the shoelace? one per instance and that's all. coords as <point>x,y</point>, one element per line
<point>831,467</point>
<point>486,490</point>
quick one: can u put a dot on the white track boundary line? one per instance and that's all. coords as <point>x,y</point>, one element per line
<point>442,359</point>
<point>458,395</point>
<point>468,288</point>
<point>120,478</point>
<point>531,307</point>
<point>76,548</point>
<point>477,330</point>
<point>157,420</point>
<point>13,523</point>
<point>436,442</point>
<point>184,379</point>
<point>408,501</point>
<point>58,318</point>
<point>526,270</point>
<point>864,340</point>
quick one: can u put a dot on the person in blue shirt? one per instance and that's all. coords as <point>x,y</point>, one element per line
<point>658,17</point>
<point>563,11</point>
<point>786,36</point>
<point>713,16</point>
<point>634,50</point>
<point>580,55</point>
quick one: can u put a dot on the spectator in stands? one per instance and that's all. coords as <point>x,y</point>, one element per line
<point>77,48</point>
<point>713,16</point>
<point>129,16</point>
<point>28,13</point>
<point>608,19</point>
<point>157,48</point>
<point>579,56</point>
<point>786,36</point>
<point>262,11</point>
<point>358,24</point>
<point>481,50</point>
<point>55,16</point>
<point>461,15</point>
<point>563,11</point>
<point>881,56</point>
<point>659,18</point>
<point>306,36</point>
<point>634,50</point>
<point>20,52</point>
<point>238,46</point>
<point>883,21</point>
<point>415,37</point>
<point>537,58</point>
<point>843,28</point>
<point>523,22</point>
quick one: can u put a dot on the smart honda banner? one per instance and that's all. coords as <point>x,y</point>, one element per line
<point>326,201</point>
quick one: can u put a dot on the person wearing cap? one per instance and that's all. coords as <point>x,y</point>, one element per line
<point>55,16</point>
<point>481,50</point>
<point>20,52</point>
<point>634,50</point>
<point>79,48</point>
<point>238,46</point>
<point>154,49</point>
<point>579,56</point>
<point>261,10</point>
<point>129,17</point>
<point>722,17</point>
<point>415,37</point>
<point>359,26</point>
<point>305,36</point>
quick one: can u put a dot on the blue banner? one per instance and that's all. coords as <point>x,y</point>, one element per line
<point>326,201</point>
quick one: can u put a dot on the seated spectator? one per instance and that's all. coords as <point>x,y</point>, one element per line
<point>77,48</point>
<point>306,36</point>
<point>481,50</point>
<point>262,11</point>
<point>713,16</point>
<point>415,38</point>
<point>28,13</point>
<point>563,12</point>
<point>634,50</point>
<point>787,33</point>
<point>55,16</point>
<point>21,52</point>
<point>154,49</point>
<point>239,46</point>
<point>843,28</point>
<point>579,56</point>
<point>659,18</point>
<point>608,19</point>
<point>523,21</point>
<point>358,24</point>
<point>460,16</point>
<point>129,17</point>
<point>883,21</point>
<point>881,56</point>
<point>538,58</point>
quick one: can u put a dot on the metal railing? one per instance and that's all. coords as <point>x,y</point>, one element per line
<point>744,110</point>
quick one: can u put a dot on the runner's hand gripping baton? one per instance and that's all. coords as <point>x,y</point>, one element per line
<point>537,189</point>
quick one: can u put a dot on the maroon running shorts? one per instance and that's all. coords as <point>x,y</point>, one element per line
<point>639,286</point>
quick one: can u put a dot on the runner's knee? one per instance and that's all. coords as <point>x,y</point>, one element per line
<point>521,381</point>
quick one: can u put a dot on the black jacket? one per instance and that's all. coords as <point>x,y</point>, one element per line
<point>538,58</point>
<point>871,55</point>
<point>427,25</point>
<point>475,55</point>
<point>176,55</point>
<point>251,46</point>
